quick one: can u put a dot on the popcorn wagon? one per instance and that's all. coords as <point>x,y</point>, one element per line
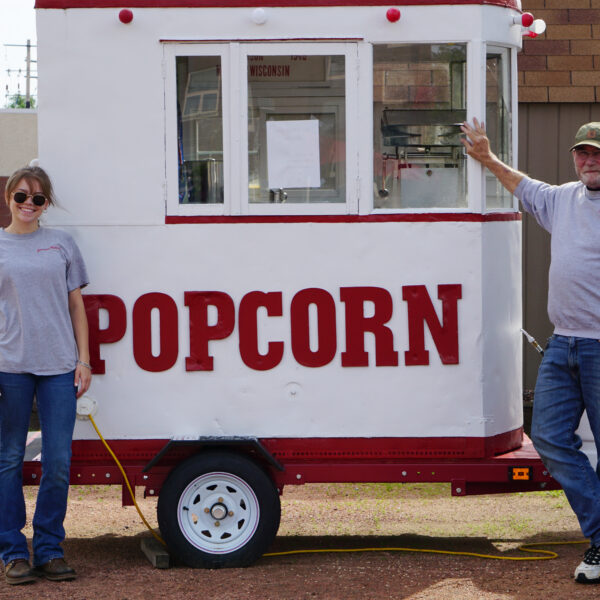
<point>297,273</point>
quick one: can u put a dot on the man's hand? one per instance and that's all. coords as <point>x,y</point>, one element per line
<point>477,146</point>
<point>476,142</point>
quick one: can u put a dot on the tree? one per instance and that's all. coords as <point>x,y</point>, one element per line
<point>19,101</point>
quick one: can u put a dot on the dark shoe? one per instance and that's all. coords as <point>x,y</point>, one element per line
<point>56,570</point>
<point>18,571</point>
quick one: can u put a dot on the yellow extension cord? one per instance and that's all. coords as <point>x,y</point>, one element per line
<point>546,554</point>
<point>126,480</point>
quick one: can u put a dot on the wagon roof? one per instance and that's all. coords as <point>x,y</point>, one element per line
<point>62,4</point>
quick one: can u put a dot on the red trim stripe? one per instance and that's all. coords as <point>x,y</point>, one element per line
<point>381,218</point>
<point>63,4</point>
<point>384,449</point>
<point>329,449</point>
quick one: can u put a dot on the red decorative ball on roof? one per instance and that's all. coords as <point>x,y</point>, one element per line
<point>526,19</point>
<point>126,16</point>
<point>392,15</point>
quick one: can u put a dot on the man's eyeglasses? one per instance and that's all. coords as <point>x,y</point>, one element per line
<point>584,154</point>
<point>37,199</point>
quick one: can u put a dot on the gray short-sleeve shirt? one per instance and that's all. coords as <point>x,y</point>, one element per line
<point>37,272</point>
<point>571,213</point>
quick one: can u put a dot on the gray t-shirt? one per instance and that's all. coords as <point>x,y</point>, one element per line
<point>37,272</point>
<point>571,213</point>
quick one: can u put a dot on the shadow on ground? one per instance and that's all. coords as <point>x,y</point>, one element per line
<point>113,567</point>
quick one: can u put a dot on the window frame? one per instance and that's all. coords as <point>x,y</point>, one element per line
<point>470,78</point>
<point>234,90</point>
<point>359,101</point>
<point>511,75</point>
<point>170,54</point>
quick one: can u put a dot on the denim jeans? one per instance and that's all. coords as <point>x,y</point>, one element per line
<point>569,382</point>
<point>56,403</point>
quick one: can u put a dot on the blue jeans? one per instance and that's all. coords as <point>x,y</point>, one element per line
<point>56,404</point>
<point>569,382</point>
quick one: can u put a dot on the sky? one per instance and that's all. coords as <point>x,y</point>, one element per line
<point>17,25</point>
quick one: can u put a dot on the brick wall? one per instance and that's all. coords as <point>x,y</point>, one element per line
<point>415,84</point>
<point>563,64</point>
<point>4,212</point>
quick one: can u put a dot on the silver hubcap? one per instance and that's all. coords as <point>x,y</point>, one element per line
<point>218,513</point>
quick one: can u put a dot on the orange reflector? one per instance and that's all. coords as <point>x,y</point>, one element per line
<point>519,473</point>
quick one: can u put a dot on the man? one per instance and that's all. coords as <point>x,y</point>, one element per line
<point>569,376</point>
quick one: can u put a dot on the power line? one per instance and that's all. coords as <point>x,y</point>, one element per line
<point>29,74</point>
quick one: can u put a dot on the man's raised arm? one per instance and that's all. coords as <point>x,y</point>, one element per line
<point>477,146</point>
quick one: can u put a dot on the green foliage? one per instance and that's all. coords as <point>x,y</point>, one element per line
<point>18,101</point>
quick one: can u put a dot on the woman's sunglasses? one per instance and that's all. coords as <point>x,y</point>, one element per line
<point>37,199</point>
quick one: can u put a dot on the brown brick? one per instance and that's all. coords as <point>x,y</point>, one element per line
<point>529,5</point>
<point>531,63</point>
<point>533,94</point>
<point>440,77</point>
<point>548,47</point>
<point>521,78</point>
<point>570,63</point>
<point>595,4</point>
<point>491,94</point>
<point>585,47</point>
<point>585,77</point>
<point>395,93</point>
<point>596,62</point>
<point>596,31</point>
<point>572,4</point>
<point>572,94</point>
<point>597,93</point>
<point>425,66</point>
<point>553,17</point>
<point>554,78</point>
<point>569,32</point>
<point>395,78</point>
<point>391,66</point>
<point>427,94</point>
<point>583,16</point>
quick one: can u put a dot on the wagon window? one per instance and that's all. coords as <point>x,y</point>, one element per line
<point>199,129</point>
<point>498,114</point>
<point>296,129</point>
<point>419,101</point>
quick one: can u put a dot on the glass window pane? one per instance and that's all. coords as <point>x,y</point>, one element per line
<point>419,101</point>
<point>498,121</point>
<point>199,129</point>
<point>296,129</point>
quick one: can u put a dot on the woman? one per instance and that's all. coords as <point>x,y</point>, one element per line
<point>43,353</point>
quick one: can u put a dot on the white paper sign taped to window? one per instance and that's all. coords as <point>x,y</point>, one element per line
<point>293,154</point>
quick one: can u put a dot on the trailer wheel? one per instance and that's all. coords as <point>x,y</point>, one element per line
<point>218,509</point>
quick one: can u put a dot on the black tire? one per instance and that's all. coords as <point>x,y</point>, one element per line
<point>218,509</point>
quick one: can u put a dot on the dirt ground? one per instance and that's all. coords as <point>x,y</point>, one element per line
<point>103,545</point>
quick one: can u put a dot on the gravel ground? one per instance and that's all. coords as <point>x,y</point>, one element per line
<point>103,545</point>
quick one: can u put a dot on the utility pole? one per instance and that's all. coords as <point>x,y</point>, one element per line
<point>28,76</point>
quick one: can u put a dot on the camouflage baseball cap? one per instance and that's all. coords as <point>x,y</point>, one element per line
<point>588,134</point>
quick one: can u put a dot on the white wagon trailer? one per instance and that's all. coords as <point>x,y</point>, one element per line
<point>297,274</point>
